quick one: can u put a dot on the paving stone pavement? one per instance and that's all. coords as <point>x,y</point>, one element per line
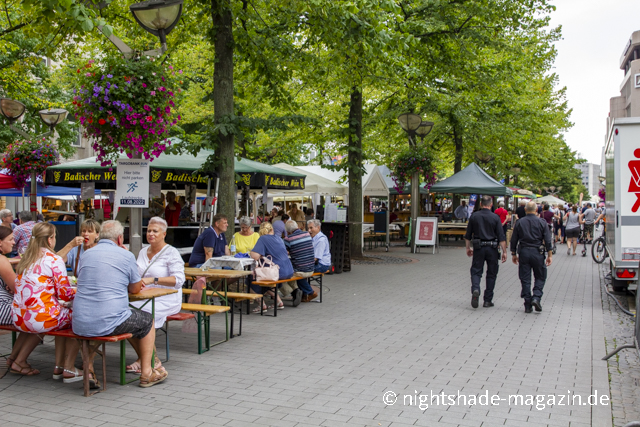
<point>406,328</point>
<point>624,368</point>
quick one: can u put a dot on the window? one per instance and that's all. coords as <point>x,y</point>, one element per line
<point>77,141</point>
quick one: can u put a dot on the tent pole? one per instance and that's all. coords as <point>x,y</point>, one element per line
<point>215,204</point>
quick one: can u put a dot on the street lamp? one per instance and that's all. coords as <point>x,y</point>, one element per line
<point>13,111</point>
<point>158,17</point>
<point>413,125</point>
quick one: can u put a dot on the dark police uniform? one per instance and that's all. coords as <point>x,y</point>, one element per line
<point>485,232</point>
<point>532,233</point>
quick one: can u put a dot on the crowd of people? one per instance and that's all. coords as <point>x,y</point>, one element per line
<point>39,296</point>
<point>282,240</point>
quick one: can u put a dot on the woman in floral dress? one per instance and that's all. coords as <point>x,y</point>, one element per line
<point>41,286</point>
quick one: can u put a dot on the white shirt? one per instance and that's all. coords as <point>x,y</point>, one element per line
<point>166,263</point>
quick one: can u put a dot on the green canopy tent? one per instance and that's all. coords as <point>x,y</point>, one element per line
<point>471,180</point>
<point>170,169</point>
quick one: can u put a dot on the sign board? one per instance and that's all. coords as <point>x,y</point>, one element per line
<point>331,212</point>
<point>132,188</point>
<point>87,190</point>
<point>155,189</point>
<point>426,231</point>
<point>341,215</point>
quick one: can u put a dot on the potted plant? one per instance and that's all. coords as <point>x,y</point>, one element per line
<point>409,161</point>
<point>127,106</point>
<point>25,158</point>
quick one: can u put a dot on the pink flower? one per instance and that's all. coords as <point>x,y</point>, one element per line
<point>153,93</point>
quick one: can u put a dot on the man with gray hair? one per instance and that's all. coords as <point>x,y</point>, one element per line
<point>22,233</point>
<point>321,248</point>
<point>107,275</point>
<point>300,247</point>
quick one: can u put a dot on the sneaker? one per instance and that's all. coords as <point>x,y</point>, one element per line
<point>474,299</point>
<point>536,303</point>
<point>297,297</point>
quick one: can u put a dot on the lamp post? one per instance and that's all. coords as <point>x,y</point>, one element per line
<point>13,111</point>
<point>413,125</point>
<point>158,17</point>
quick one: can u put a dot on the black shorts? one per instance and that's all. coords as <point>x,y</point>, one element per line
<point>138,324</point>
<point>572,233</point>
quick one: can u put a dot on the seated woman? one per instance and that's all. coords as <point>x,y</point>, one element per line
<point>39,288</point>
<point>246,238</point>
<point>90,232</point>
<point>270,244</point>
<point>160,266</point>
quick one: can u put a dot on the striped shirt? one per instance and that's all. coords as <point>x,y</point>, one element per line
<point>300,247</point>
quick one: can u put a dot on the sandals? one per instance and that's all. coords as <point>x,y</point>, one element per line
<point>134,368</point>
<point>264,308</point>
<point>60,375</point>
<point>29,373</point>
<point>280,306</point>
<point>93,381</point>
<point>77,376</point>
<point>155,378</point>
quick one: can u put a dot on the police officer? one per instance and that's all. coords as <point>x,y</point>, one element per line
<point>534,237</point>
<point>484,235</point>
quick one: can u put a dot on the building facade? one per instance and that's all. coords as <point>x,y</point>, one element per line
<point>590,173</point>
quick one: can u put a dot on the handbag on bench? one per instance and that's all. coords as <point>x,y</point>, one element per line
<point>267,273</point>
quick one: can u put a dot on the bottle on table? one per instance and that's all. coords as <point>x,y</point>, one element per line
<point>232,246</point>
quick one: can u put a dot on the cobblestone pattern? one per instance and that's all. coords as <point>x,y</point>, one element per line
<point>624,368</point>
<point>405,328</point>
<point>381,259</point>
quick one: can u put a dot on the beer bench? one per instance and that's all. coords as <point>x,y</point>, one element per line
<point>87,348</point>
<point>233,297</point>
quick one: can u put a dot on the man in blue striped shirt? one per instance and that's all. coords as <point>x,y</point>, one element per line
<point>300,247</point>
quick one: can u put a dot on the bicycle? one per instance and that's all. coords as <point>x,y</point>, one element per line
<point>599,250</point>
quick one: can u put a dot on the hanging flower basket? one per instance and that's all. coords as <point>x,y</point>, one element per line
<point>602,192</point>
<point>413,159</point>
<point>127,106</point>
<point>25,157</point>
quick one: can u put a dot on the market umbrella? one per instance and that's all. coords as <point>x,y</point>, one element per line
<point>6,182</point>
<point>471,180</point>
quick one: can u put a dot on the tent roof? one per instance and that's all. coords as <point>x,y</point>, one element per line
<point>550,199</point>
<point>315,183</point>
<point>373,183</point>
<point>171,169</point>
<point>48,191</point>
<point>471,180</point>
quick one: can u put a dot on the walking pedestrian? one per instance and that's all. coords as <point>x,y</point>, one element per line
<point>534,237</point>
<point>572,228</point>
<point>485,232</point>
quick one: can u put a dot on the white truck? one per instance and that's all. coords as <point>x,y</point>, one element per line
<point>622,156</point>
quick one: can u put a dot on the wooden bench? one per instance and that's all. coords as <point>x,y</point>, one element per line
<point>204,311</point>
<point>233,297</point>
<point>178,317</point>
<point>272,284</point>
<point>453,232</point>
<point>87,349</point>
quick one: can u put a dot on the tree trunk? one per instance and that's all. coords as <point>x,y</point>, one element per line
<point>223,104</point>
<point>355,173</point>
<point>457,162</point>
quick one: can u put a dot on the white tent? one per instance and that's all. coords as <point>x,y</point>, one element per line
<point>314,183</point>
<point>552,200</point>
<point>373,183</point>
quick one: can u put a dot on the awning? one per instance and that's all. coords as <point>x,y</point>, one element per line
<point>471,180</point>
<point>170,169</point>
<point>42,191</point>
<point>315,183</point>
